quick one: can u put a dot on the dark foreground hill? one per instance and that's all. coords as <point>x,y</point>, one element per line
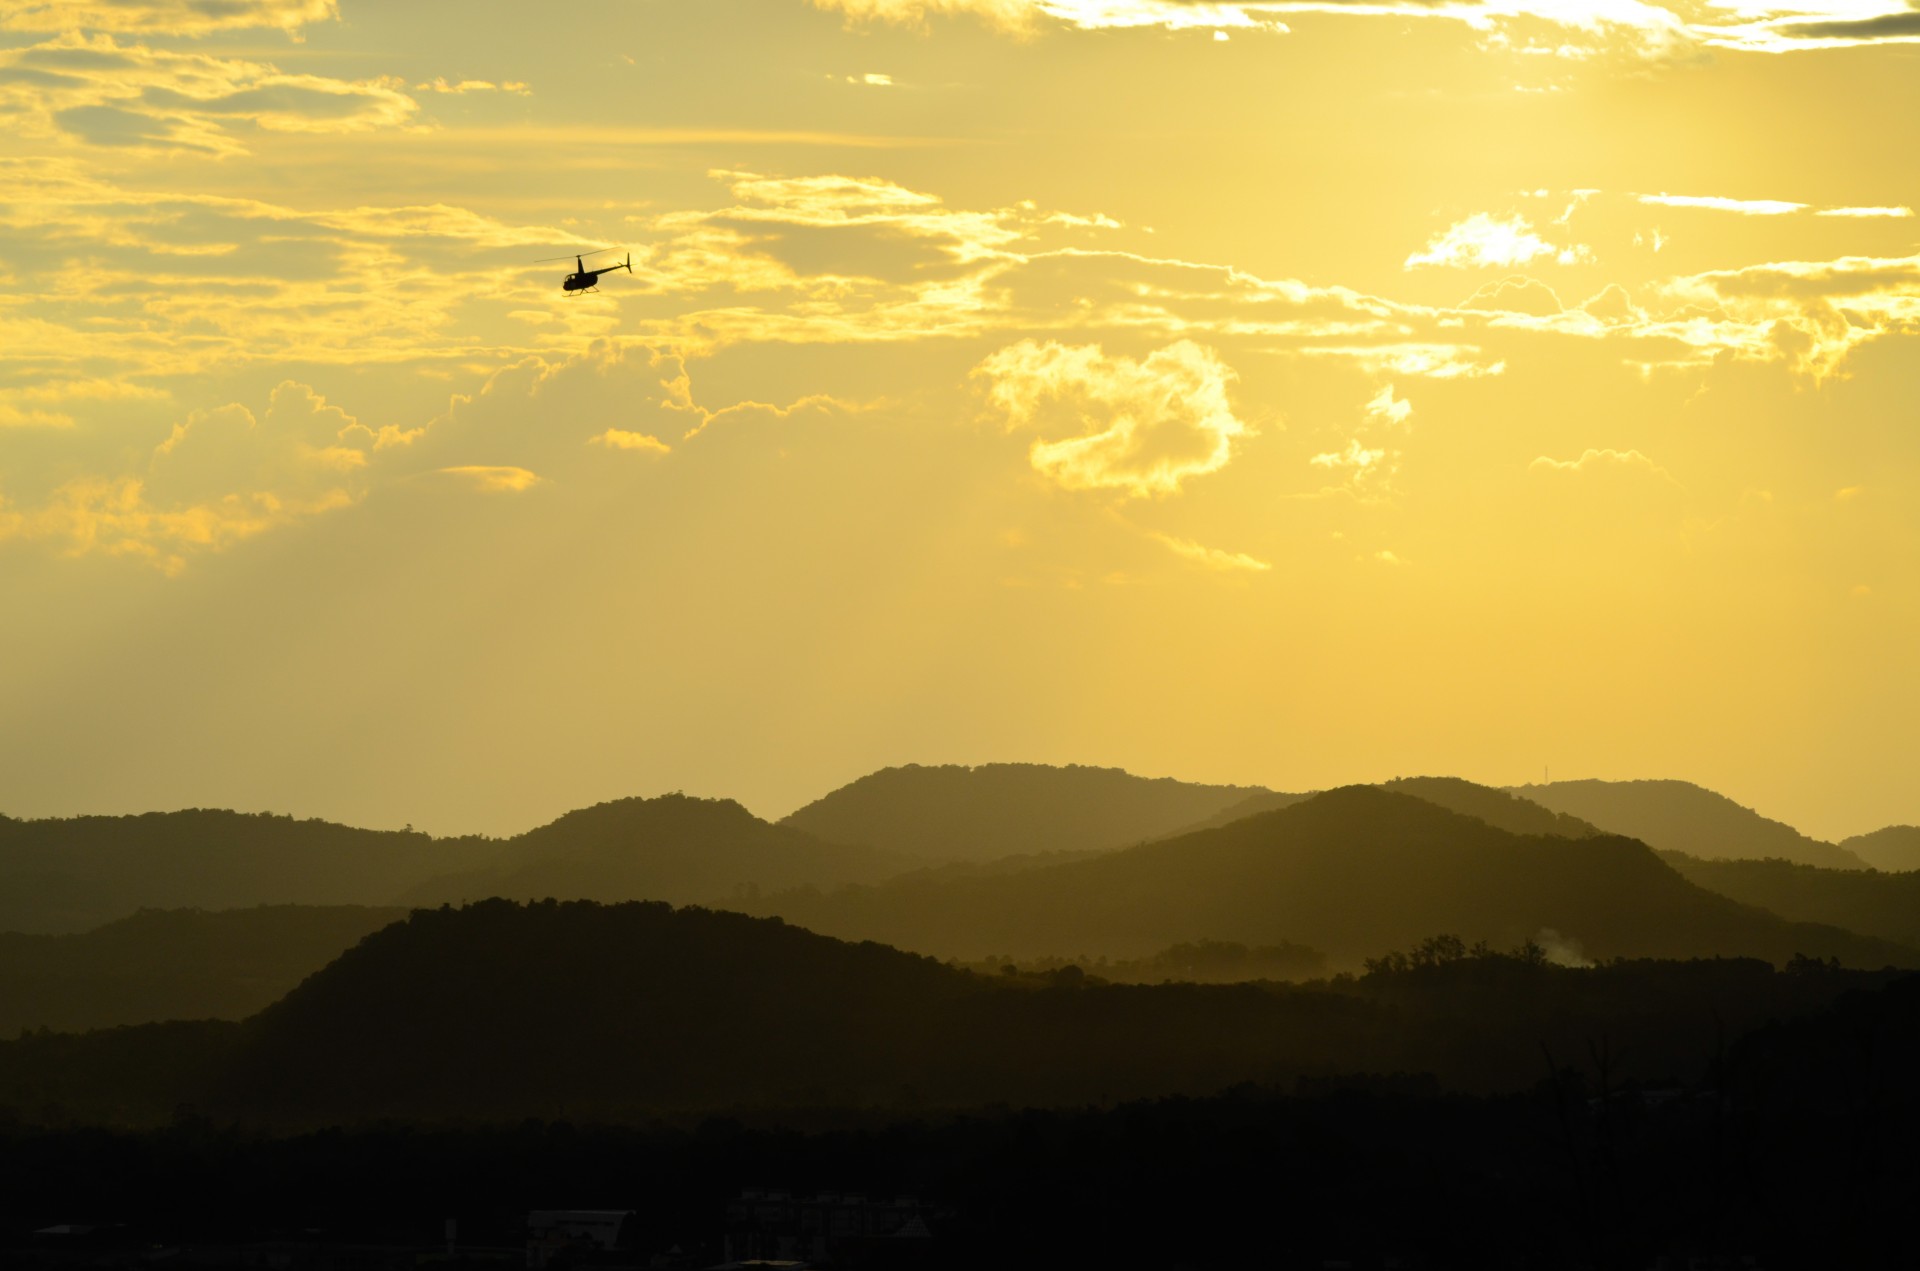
<point>1678,816</point>
<point>1794,1150</point>
<point>673,848</point>
<point>500,1011</point>
<point>957,813</point>
<point>1349,872</point>
<point>172,964</point>
<point>1896,849</point>
<point>73,874</point>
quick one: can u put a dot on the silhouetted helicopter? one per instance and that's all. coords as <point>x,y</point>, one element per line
<point>584,279</point>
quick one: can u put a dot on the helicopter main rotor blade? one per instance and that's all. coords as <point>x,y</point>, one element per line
<point>571,255</point>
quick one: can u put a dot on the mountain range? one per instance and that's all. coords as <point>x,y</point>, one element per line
<point>1350,872</point>
<point>1679,816</point>
<point>500,1011</point>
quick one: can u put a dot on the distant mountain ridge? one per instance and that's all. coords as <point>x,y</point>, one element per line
<point>1350,871</point>
<point>674,848</point>
<point>1678,816</point>
<point>958,813</point>
<point>173,964</point>
<point>1873,903</point>
<point>73,874</point>
<point>1895,849</point>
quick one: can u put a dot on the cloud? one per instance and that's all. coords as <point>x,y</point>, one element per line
<point>114,516</point>
<point>1143,427</point>
<point>302,450</point>
<point>1483,241</point>
<point>1811,315</point>
<point>1603,465</point>
<point>1716,203</point>
<point>106,93</point>
<point>439,84</point>
<point>1014,16</point>
<point>1516,294</point>
<point>1385,408</point>
<point>1357,461</point>
<point>1862,213</point>
<point>621,439</point>
<point>164,17</point>
<point>1211,558</point>
<point>493,478</point>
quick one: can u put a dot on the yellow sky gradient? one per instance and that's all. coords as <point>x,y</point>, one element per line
<point>1293,393</point>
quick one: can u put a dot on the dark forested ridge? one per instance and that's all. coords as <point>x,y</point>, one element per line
<point>1350,872</point>
<point>1498,808</point>
<point>1678,816</point>
<point>1895,849</point>
<point>1863,900</point>
<point>958,813</point>
<point>172,964</point>
<point>500,1011</point>
<point>73,874</point>
<point>1793,1148</point>
<point>673,848</point>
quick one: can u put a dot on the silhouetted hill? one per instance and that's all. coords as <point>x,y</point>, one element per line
<point>1862,900</point>
<point>673,848</point>
<point>172,964</point>
<point>957,813</point>
<point>1497,808</point>
<point>501,1011</point>
<point>1895,849</point>
<point>1350,872</point>
<point>1241,809</point>
<point>73,874</point>
<point>1678,816</point>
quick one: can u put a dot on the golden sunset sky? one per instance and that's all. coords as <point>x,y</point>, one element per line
<point>1291,393</point>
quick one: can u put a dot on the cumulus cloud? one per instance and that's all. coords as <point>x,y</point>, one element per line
<point>301,450</point>
<point>622,439</point>
<point>1358,462</point>
<point>219,478</point>
<point>1516,294</point>
<point>1385,408</point>
<point>1139,426</point>
<point>1484,241</point>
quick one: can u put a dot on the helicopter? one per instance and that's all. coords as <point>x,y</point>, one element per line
<point>584,279</point>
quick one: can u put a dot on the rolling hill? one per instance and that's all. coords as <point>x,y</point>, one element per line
<point>500,1011</point>
<point>1351,872</point>
<point>1862,900</point>
<point>673,848</point>
<point>71,875</point>
<point>172,964</point>
<point>957,813</point>
<point>1498,808</point>
<point>1895,849</point>
<point>1678,816</point>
